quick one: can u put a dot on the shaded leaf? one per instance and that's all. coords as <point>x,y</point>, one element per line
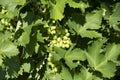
<point>114,19</point>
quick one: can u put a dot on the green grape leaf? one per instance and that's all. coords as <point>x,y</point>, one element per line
<point>101,62</point>
<point>25,37</point>
<point>44,1</point>
<point>1,26</point>
<point>26,67</point>
<point>89,33</point>
<point>107,69</point>
<point>93,20</point>
<point>60,53</point>
<point>65,74</point>
<point>55,77</point>
<point>9,62</point>
<point>82,30</point>
<point>73,25</point>
<point>112,52</point>
<point>83,75</point>
<point>12,2</point>
<point>93,53</point>
<point>10,66</point>
<point>27,26</point>
<point>7,48</point>
<point>114,19</point>
<point>75,54</point>
<point>11,5</point>
<point>2,74</point>
<point>56,12</point>
<point>81,5</point>
<point>39,37</point>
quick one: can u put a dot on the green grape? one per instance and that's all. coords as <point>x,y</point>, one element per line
<point>66,45</point>
<point>65,37</point>
<point>60,40</point>
<point>63,46</point>
<point>53,32</point>
<point>67,34</point>
<point>51,64</point>
<point>55,37</point>
<point>3,21</point>
<point>66,30</point>
<point>49,57</point>
<point>54,41</point>
<point>3,11</point>
<point>53,27</point>
<point>54,70</point>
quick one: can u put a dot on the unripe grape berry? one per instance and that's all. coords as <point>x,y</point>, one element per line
<point>68,41</point>
<point>59,39</point>
<point>54,41</point>
<point>63,46</point>
<point>66,30</point>
<point>67,34</point>
<point>55,37</point>
<point>61,43</point>
<point>53,27</point>
<point>53,32</point>
<point>55,69</point>
<point>67,45</point>
<point>65,37</point>
<point>53,21</point>
<point>3,21</point>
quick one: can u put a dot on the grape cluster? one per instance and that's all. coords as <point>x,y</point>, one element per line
<point>53,67</point>
<point>62,40</point>
<point>6,21</point>
<point>52,30</point>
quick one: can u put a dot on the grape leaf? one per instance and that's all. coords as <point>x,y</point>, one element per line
<point>2,74</point>
<point>11,5</point>
<point>114,19</point>
<point>27,26</point>
<point>56,12</point>
<point>101,62</point>
<point>81,5</point>
<point>65,74</point>
<point>9,61</point>
<point>39,37</point>
<point>93,20</point>
<point>1,26</point>
<point>11,66</point>
<point>26,67</point>
<point>112,52</point>
<point>83,75</point>
<point>60,53</point>
<point>107,69</point>
<point>25,37</point>
<point>75,54</point>
<point>7,48</point>
<point>83,32</point>
<point>89,33</point>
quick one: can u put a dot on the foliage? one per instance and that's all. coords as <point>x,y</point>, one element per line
<point>59,40</point>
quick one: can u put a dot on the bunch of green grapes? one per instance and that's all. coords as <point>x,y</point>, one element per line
<point>50,64</point>
<point>5,21</point>
<point>62,40</point>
